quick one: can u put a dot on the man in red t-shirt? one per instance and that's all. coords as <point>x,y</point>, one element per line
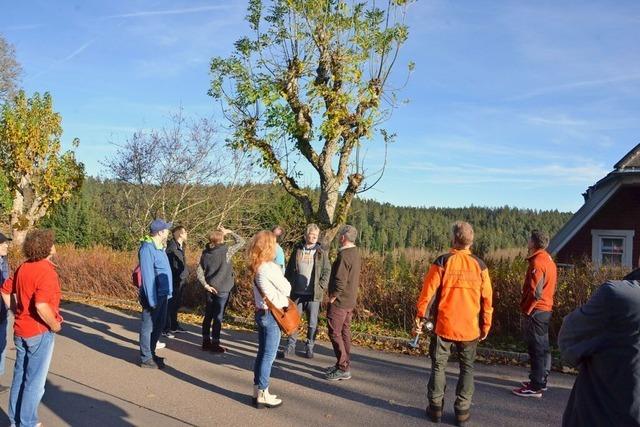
<point>33,294</point>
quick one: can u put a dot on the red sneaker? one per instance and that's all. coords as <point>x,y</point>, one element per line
<point>527,392</point>
<point>528,383</point>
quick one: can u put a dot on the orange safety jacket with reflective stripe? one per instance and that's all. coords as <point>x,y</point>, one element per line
<point>539,283</point>
<point>457,287</point>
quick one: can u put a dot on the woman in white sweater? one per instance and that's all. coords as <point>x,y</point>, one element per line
<point>268,277</point>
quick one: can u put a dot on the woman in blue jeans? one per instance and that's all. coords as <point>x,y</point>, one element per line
<point>269,283</point>
<point>33,293</point>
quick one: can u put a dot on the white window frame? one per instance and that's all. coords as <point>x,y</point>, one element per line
<point>596,245</point>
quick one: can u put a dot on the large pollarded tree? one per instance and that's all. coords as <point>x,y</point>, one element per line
<point>313,82</point>
<point>37,174</point>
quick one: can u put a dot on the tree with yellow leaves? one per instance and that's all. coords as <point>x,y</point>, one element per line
<point>37,174</point>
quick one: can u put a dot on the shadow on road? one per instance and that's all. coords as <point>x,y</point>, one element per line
<point>242,345</point>
<point>86,410</point>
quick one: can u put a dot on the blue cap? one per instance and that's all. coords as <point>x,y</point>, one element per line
<point>158,225</point>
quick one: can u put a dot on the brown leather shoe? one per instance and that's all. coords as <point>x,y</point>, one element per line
<point>434,413</point>
<point>462,417</point>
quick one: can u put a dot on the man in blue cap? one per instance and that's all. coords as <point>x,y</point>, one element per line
<point>156,289</point>
<point>4,319</point>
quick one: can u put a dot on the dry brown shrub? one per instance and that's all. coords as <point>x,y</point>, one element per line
<point>389,285</point>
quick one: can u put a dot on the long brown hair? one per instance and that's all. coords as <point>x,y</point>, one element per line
<point>262,248</point>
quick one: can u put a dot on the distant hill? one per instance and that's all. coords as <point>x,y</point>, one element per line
<point>101,214</point>
<point>386,227</point>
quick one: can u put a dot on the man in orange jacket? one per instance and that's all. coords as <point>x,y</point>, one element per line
<point>457,290</point>
<point>536,303</point>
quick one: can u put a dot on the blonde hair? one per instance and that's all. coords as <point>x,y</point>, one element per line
<point>462,233</point>
<point>261,249</point>
<point>310,228</point>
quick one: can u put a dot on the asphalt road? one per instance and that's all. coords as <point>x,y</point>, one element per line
<point>94,380</point>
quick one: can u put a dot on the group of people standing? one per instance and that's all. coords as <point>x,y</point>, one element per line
<point>457,298</point>
<point>601,338</point>
<point>306,278</point>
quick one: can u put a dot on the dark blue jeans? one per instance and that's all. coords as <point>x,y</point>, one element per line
<point>214,312</point>
<point>153,321</point>
<point>268,339</point>
<point>536,334</point>
<point>33,357</point>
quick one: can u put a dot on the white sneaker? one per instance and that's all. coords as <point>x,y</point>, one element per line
<point>160,345</point>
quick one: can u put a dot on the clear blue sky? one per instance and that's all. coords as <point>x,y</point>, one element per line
<point>512,103</point>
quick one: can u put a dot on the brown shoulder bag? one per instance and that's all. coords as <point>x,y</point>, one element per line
<point>287,318</point>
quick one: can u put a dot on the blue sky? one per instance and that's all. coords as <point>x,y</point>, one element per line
<point>511,103</point>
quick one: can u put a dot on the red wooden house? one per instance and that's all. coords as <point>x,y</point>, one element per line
<point>606,229</point>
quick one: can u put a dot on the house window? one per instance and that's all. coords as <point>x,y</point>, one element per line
<point>612,247</point>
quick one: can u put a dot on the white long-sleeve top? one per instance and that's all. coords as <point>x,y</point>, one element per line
<point>272,283</point>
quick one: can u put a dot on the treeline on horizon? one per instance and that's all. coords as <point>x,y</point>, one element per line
<point>99,215</point>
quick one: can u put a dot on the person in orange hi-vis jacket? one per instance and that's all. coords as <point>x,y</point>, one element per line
<point>457,293</point>
<point>536,303</point>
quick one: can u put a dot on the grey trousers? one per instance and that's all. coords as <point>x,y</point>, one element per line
<point>307,305</point>
<point>439,350</point>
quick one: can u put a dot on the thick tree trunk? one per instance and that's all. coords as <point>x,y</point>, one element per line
<point>18,237</point>
<point>24,212</point>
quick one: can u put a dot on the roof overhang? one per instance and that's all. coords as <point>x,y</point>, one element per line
<point>607,187</point>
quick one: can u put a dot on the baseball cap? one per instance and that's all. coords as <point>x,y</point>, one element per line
<point>159,225</point>
<point>4,238</point>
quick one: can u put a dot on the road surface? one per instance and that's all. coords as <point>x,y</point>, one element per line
<point>94,380</point>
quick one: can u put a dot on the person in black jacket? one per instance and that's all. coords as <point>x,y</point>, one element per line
<point>602,338</point>
<point>308,271</point>
<point>215,273</point>
<point>178,264</point>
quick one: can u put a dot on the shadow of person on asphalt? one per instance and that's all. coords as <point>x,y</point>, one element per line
<point>72,330</point>
<point>86,410</point>
<point>98,326</point>
<point>242,346</point>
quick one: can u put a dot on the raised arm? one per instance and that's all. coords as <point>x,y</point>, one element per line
<point>239,242</point>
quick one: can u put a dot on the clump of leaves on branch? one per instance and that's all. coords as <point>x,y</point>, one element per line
<point>37,175</point>
<point>313,82</point>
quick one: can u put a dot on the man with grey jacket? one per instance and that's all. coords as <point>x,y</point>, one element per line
<point>308,271</point>
<point>602,339</point>
<point>216,275</point>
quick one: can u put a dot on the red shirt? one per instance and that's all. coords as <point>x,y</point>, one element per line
<point>33,282</point>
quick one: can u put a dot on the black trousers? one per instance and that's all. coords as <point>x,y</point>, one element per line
<point>536,334</point>
<point>172,310</point>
